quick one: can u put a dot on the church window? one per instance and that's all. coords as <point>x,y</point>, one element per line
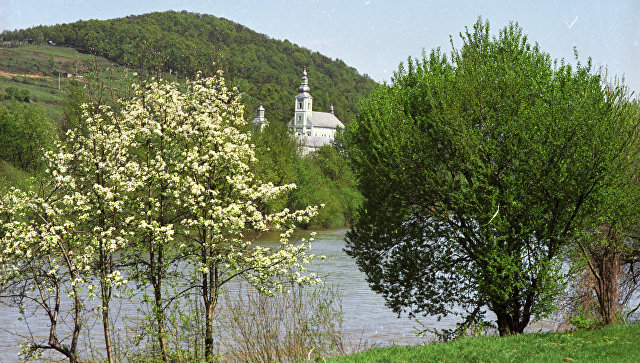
<point>308,133</point>
<point>300,105</point>
<point>299,118</point>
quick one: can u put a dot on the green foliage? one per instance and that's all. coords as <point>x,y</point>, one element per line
<point>314,188</point>
<point>477,169</point>
<point>323,177</point>
<point>13,93</point>
<point>74,98</point>
<point>25,133</point>
<point>277,153</point>
<point>183,43</point>
<point>586,319</point>
<point>51,62</point>
<point>342,183</point>
<point>618,343</point>
<point>10,176</point>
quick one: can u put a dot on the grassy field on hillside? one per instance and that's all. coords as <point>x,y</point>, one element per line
<point>41,70</point>
<point>619,343</point>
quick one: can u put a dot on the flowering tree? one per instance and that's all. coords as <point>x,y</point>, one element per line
<point>157,117</point>
<point>221,197</point>
<point>38,266</point>
<point>97,160</point>
<point>63,235</point>
<point>168,175</point>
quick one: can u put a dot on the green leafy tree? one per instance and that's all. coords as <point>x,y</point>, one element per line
<point>277,153</point>
<point>477,169</point>
<point>75,97</point>
<point>340,180</point>
<point>25,133</point>
<point>51,62</point>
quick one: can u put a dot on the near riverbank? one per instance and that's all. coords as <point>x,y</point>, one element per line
<point>617,343</point>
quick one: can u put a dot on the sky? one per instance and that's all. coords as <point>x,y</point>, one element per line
<point>375,36</point>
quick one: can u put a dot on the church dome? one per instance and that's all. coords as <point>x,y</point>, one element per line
<point>304,85</point>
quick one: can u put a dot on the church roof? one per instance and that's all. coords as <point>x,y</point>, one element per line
<point>303,95</point>
<point>325,119</point>
<point>304,85</point>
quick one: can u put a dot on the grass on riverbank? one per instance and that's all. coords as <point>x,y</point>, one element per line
<point>619,343</point>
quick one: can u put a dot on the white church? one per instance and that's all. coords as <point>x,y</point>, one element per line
<point>311,128</point>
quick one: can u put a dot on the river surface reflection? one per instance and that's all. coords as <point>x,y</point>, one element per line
<point>366,319</point>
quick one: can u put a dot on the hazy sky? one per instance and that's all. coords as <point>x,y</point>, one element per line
<point>374,36</point>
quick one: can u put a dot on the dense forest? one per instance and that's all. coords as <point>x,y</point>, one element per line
<point>266,70</point>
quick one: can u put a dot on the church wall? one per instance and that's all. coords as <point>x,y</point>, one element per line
<point>324,132</point>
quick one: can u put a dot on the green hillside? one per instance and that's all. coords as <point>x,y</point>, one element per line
<point>43,71</point>
<point>181,43</point>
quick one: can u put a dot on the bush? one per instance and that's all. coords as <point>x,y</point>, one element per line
<point>25,133</point>
<point>13,93</point>
<point>303,325</point>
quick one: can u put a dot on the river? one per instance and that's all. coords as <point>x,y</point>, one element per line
<point>366,319</point>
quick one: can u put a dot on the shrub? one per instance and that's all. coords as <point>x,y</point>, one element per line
<point>305,324</point>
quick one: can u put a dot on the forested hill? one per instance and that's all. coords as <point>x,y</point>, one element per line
<point>267,70</point>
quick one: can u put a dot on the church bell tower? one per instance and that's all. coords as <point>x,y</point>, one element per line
<point>303,107</point>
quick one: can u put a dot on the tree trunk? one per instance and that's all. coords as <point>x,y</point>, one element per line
<point>211,290</point>
<point>208,337</point>
<point>156,279</point>
<point>106,295</point>
<point>603,259</point>
<point>67,350</point>
<point>511,324</point>
<point>606,287</point>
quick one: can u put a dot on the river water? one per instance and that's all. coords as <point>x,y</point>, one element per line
<point>366,319</point>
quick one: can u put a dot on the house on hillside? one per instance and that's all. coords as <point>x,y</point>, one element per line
<point>312,129</point>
